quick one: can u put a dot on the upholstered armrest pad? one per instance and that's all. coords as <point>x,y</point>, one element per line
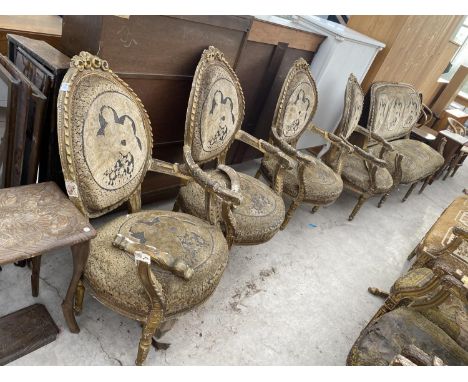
<point>163,259</point>
<point>207,182</point>
<point>265,148</point>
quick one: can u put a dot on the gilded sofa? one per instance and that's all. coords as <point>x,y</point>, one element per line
<point>394,110</point>
<point>309,180</point>
<point>428,305</point>
<point>149,266</point>
<point>214,117</point>
<point>361,172</point>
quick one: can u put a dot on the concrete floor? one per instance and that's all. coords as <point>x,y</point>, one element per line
<point>300,299</point>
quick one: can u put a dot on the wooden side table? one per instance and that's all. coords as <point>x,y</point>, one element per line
<point>454,142</point>
<point>39,218</point>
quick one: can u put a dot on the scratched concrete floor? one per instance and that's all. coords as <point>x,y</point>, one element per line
<point>300,299</point>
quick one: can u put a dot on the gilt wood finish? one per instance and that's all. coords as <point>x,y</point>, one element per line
<point>310,179</point>
<point>362,173</point>
<point>104,137</point>
<point>163,82</point>
<point>36,219</point>
<point>214,117</point>
<point>99,112</point>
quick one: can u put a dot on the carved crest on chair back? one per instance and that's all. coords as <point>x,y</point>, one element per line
<point>297,102</point>
<point>105,137</point>
<point>395,108</point>
<point>215,109</point>
<point>353,104</point>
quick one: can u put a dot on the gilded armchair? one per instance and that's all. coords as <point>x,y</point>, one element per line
<point>309,180</point>
<point>147,265</point>
<point>394,110</point>
<point>361,172</point>
<point>214,117</point>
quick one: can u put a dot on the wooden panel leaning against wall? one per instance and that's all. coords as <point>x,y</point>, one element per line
<point>157,57</point>
<point>418,48</point>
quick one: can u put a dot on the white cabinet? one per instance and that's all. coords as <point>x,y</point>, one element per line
<point>344,51</point>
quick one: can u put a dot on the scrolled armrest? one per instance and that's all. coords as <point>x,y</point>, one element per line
<point>266,148</point>
<point>173,169</point>
<point>369,157</point>
<point>291,151</point>
<point>206,181</point>
<point>332,138</point>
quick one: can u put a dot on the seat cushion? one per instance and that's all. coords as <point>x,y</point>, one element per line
<point>355,172</point>
<point>259,215</point>
<point>322,184</point>
<point>451,316</point>
<point>419,160</point>
<point>112,274</point>
<point>386,337</point>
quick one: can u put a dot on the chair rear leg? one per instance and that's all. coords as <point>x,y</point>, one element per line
<point>426,182</point>
<point>362,199</point>
<point>79,296</point>
<point>315,209</point>
<point>257,174</point>
<point>295,203</point>
<point>408,193</point>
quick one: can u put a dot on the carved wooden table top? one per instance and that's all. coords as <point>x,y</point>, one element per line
<point>37,218</point>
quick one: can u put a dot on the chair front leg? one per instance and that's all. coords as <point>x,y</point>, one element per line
<point>155,315</point>
<point>396,177</point>
<point>362,199</point>
<point>298,199</point>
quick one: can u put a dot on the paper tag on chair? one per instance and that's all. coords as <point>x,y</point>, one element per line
<point>64,87</point>
<point>72,188</point>
<point>141,256</point>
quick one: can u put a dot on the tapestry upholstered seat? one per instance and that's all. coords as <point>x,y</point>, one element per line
<point>387,336</point>
<point>393,110</point>
<point>427,308</point>
<point>214,117</point>
<point>362,173</point>
<point>148,266</point>
<point>310,180</point>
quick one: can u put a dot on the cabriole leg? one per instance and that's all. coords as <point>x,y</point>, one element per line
<point>80,253</point>
<point>149,329</point>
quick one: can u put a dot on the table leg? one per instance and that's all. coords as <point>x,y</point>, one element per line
<point>80,254</point>
<point>36,269</point>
